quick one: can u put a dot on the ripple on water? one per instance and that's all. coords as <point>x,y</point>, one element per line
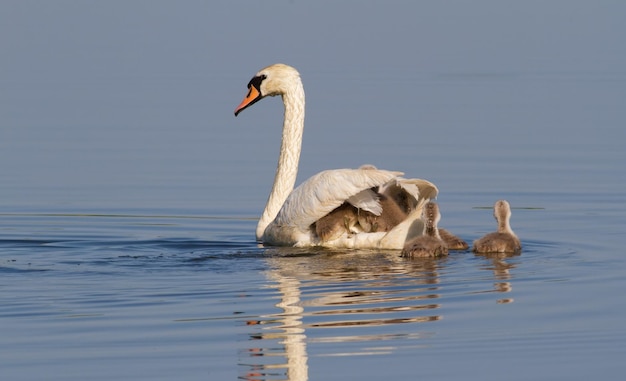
<point>350,304</point>
<point>288,305</point>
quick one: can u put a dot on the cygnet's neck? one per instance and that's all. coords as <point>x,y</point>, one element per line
<point>502,213</point>
<point>431,216</point>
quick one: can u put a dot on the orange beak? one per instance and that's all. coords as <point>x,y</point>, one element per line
<point>253,96</point>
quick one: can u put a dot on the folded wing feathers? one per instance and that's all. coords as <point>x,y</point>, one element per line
<point>408,193</point>
<point>325,191</point>
<point>366,199</point>
<point>427,190</point>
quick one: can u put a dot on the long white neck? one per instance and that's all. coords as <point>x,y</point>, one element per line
<point>291,145</point>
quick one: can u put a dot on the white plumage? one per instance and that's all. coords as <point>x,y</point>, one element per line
<point>290,214</point>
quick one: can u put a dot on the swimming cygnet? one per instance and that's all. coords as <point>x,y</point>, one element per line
<point>453,242</point>
<point>429,244</point>
<point>502,241</point>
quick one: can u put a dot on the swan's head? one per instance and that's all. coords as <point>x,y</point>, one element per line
<point>277,79</point>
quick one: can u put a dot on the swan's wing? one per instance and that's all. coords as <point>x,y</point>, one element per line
<point>409,194</point>
<point>325,191</point>
<point>366,199</point>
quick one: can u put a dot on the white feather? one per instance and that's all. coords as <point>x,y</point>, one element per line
<point>368,200</point>
<point>325,191</point>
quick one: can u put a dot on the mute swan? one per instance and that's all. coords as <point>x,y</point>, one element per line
<point>290,215</point>
<point>503,240</point>
<point>430,243</point>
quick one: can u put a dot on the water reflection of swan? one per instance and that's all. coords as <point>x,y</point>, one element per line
<point>352,291</point>
<point>357,303</point>
<point>290,215</point>
<point>290,335</point>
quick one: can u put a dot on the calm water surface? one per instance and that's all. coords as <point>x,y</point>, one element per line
<point>129,193</point>
<point>128,275</point>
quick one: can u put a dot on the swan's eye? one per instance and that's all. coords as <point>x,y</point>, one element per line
<point>256,82</point>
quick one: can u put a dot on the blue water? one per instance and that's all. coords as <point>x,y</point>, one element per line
<point>129,193</point>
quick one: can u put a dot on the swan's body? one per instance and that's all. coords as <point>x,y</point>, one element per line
<point>291,215</point>
<point>429,244</point>
<point>502,241</point>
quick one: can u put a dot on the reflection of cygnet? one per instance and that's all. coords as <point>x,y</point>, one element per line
<point>502,241</point>
<point>429,244</point>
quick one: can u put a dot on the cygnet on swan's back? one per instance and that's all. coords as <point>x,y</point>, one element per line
<point>390,216</point>
<point>337,222</point>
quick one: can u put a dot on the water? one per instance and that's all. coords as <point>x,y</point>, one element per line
<point>129,193</point>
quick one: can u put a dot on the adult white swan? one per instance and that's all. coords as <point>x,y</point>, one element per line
<point>347,202</point>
